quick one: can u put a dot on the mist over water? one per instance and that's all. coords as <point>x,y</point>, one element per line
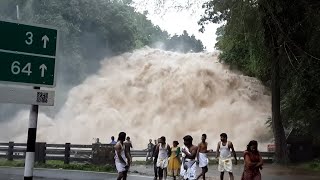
<point>150,93</point>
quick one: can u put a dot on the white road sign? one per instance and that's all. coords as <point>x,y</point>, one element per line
<point>26,96</point>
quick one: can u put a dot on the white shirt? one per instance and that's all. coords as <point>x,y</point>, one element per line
<point>224,150</point>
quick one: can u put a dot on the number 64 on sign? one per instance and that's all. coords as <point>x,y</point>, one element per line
<point>38,71</point>
<point>15,68</point>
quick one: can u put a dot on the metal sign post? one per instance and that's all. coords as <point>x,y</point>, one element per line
<point>27,56</point>
<point>31,142</point>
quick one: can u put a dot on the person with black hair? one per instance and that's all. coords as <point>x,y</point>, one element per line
<point>149,150</point>
<point>121,157</point>
<point>163,150</point>
<point>155,158</point>
<point>224,151</point>
<point>174,162</point>
<point>189,153</point>
<point>252,162</point>
<point>113,142</point>
<point>202,157</point>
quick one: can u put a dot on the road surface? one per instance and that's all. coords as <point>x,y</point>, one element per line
<point>48,174</point>
<point>269,173</point>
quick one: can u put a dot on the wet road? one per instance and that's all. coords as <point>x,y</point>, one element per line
<point>268,173</point>
<point>47,174</point>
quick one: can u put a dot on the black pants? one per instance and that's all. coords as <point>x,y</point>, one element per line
<point>155,168</point>
<point>160,172</point>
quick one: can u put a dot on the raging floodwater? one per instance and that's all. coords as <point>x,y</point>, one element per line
<point>150,93</point>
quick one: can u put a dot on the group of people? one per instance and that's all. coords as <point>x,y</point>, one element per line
<point>182,161</point>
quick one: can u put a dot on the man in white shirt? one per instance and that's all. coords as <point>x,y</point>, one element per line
<point>224,150</point>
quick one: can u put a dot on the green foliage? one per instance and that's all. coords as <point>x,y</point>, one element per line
<point>60,165</point>
<point>76,166</point>
<point>91,30</point>
<point>313,166</point>
<point>184,43</point>
<point>242,41</point>
<point>15,163</point>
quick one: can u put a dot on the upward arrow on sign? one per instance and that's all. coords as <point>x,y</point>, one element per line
<point>45,39</point>
<point>27,54</point>
<point>43,68</point>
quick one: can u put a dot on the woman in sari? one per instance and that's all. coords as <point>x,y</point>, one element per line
<point>252,162</point>
<point>174,161</point>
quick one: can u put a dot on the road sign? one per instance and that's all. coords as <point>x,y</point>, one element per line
<point>26,96</point>
<point>27,54</point>
<point>26,69</point>
<point>28,39</point>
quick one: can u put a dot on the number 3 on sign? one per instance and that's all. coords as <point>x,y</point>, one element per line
<point>15,68</point>
<point>29,41</point>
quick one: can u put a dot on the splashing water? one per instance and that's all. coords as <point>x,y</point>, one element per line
<point>150,93</point>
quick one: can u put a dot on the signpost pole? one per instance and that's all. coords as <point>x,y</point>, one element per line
<point>28,54</point>
<point>32,134</point>
<point>31,142</point>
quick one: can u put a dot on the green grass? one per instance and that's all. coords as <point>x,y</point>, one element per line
<point>15,163</point>
<point>61,165</point>
<point>313,165</point>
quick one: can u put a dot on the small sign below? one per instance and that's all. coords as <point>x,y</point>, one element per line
<point>26,96</point>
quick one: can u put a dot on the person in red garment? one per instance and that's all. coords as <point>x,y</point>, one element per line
<point>252,162</point>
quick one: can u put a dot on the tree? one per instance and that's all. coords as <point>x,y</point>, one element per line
<point>272,39</point>
<point>277,42</point>
<point>184,43</point>
<point>89,31</point>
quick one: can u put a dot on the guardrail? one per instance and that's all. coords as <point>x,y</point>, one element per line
<point>76,152</point>
<point>65,152</point>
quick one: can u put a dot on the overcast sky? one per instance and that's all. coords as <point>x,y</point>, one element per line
<point>174,17</point>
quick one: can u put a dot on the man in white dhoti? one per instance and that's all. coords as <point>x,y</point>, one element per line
<point>189,153</point>
<point>224,149</point>
<point>202,156</point>
<point>163,150</point>
<point>122,161</point>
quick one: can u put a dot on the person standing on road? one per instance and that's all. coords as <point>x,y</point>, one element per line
<point>174,162</point>
<point>121,157</point>
<point>128,146</point>
<point>202,156</point>
<point>149,150</point>
<point>224,150</point>
<point>163,150</point>
<point>155,158</point>
<point>252,162</point>
<point>189,154</point>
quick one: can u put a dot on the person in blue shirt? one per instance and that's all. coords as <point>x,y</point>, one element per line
<point>112,140</point>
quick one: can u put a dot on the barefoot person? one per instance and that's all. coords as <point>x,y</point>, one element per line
<point>121,157</point>
<point>252,162</point>
<point>174,162</point>
<point>224,149</point>
<point>202,156</point>
<point>128,146</point>
<point>163,150</point>
<point>155,158</point>
<point>189,153</point>
<point>149,150</point>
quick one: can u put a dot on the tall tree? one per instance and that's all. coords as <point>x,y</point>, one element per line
<point>272,39</point>
<point>278,42</point>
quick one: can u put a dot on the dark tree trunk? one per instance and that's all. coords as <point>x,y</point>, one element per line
<point>273,41</point>
<point>281,155</point>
